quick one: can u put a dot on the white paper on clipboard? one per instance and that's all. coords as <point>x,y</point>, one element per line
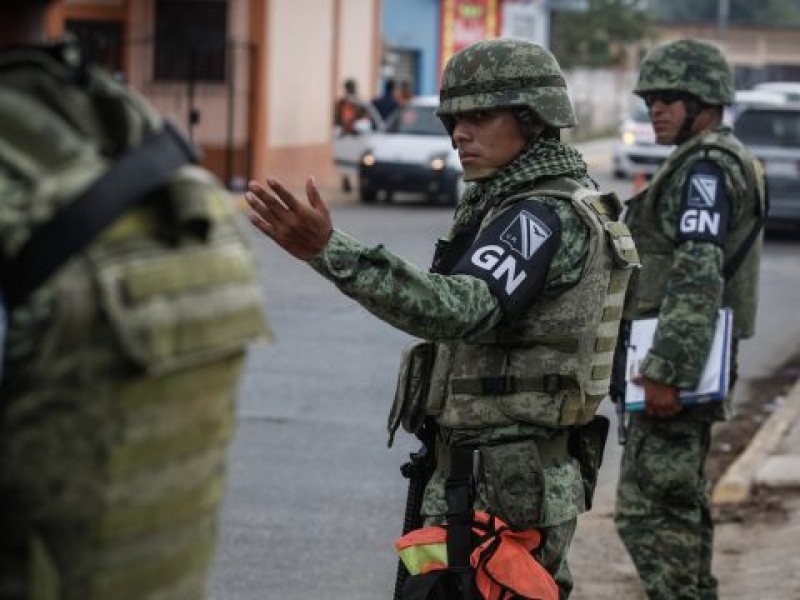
<point>715,380</point>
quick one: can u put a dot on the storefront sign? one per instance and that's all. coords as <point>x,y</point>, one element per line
<point>465,22</point>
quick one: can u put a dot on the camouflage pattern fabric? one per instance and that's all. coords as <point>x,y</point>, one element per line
<point>445,307</point>
<point>503,74</point>
<point>120,371</point>
<point>689,66</point>
<point>685,285</point>
<point>440,307</point>
<point>662,512</point>
<point>514,483</point>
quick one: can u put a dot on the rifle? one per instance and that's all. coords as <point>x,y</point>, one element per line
<point>617,388</point>
<point>418,471</point>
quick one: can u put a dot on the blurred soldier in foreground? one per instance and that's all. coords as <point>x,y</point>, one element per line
<point>128,299</point>
<point>519,312</point>
<point>698,228</point>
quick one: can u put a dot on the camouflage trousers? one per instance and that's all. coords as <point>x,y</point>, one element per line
<point>662,507</point>
<point>526,484</point>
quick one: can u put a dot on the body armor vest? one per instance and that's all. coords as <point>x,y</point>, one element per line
<point>551,365</point>
<point>656,250</point>
<point>121,369</point>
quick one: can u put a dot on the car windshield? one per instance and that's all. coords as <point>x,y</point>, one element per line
<point>769,127</point>
<point>640,113</point>
<point>416,120</point>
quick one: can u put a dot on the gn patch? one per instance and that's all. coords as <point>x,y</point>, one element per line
<point>705,207</point>
<point>513,253</point>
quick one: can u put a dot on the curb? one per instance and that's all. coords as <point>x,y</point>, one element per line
<point>737,482</point>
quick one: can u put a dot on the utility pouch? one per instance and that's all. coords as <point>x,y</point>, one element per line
<point>413,383</point>
<point>177,310</point>
<point>587,444</point>
<point>515,482</point>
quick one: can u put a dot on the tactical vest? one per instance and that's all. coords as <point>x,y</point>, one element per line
<point>121,369</point>
<point>656,250</point>
<point>551,365</point>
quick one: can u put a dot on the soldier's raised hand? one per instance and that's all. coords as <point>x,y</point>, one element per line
<point>301,229</point>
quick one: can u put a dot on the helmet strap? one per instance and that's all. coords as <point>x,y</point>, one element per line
<point>693,108</point>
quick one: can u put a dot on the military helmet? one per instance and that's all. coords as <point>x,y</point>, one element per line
<point>504,73</point>
<point>688,66</point>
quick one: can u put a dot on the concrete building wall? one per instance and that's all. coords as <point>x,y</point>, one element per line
<point>299,72</point>
<point>312,46</point>
<point>357,47</point>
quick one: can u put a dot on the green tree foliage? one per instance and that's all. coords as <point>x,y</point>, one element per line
<point>599,37</point>
<point>765,13</point>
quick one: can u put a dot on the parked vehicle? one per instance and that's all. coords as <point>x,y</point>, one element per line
<point>772,133</point>
<point>413,154</point>
<point>349,147</point>
<point>636,150</point>
<point>790,90</point>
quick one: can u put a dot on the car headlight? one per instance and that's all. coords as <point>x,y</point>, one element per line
<point>438,161</point>
<point>367,159</point>
<point>628,138</point>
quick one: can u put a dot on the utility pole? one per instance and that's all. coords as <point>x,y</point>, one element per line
<point>723,12</point>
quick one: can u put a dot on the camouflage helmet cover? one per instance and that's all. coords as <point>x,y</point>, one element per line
<point>505,73</point>
<point>689,66</point>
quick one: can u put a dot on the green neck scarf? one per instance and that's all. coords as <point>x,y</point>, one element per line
<point>542,158</point>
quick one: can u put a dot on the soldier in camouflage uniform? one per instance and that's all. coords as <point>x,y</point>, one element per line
<point>120,368</point>
<point>521,307</point>
<point>697,227</point>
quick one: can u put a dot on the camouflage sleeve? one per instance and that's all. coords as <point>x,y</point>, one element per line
<point>694,295</point>
<point>687,316</point>
<point>430,305</point>
<point>567,265</point>
<point>425,305</point>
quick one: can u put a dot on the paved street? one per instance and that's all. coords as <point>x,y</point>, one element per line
<point>315,498</point>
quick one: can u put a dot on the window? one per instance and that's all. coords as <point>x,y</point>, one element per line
<point>101,42</point>
<point>190,40</point>
<point>769,128</point>
<point>416,120</point>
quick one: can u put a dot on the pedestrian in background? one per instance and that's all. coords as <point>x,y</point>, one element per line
<point>404,93</point>
<point>520,310</point>
<point>697,227</point>
<point>130,296</point>
<point>386,103</point>
<point>349,109</point>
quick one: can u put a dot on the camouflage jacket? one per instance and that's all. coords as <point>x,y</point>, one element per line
<point>683,282</point>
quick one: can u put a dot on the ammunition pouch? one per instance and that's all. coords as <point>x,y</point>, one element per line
<point>413,383</point>
<point>587,444</point>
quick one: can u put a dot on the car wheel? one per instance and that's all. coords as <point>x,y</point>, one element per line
<point>367,195</point>
<point>619,174</point>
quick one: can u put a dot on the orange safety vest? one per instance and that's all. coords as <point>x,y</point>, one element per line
<point>502,558</point>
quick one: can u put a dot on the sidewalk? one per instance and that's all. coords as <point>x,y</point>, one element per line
<point>757,545</point>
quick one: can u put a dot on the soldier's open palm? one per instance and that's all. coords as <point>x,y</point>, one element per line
<point>301,229</point>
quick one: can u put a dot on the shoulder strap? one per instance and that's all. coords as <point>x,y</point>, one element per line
<point>735,261</point>
<point>130,179</point>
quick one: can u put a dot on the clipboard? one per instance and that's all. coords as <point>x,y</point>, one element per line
<point>715,380</point>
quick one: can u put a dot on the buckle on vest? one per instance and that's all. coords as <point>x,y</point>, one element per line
<point>501,384</point>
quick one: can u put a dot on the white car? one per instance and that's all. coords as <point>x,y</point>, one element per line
<point>790,90</point>
<point>348,148</point>
<point>412,154</point>
<point>636,151</point>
